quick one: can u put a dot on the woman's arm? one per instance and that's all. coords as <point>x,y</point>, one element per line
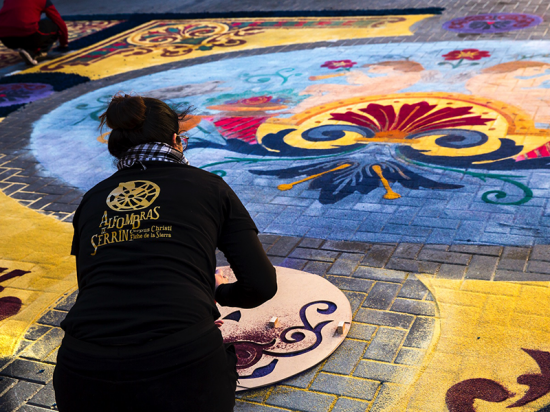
<point>256,280</point>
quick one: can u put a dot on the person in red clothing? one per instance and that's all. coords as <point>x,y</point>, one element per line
<point>22,29</point>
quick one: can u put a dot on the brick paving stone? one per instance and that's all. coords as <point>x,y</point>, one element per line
<point>444,256</point>
<point>303,379</point>
<point>513,258</point>
<point>408,356</point>
<point>355,299</point>
<point>43,346</point>
<point>6,383</point>
<point>36,331</point>
<point>346,357</point>
<point>54,189</point>
<point>345,386</point>
<point>382,318</point>
<point>300,400</point>
<point>318,268</point>
<point>540,252</point>
<point>361,331</point>
<point>420,334</point>
<point>385,372</point>
<point>447,271</point>
<point>382,295</point>
<point>346,264</point>
<point>414,307</point>
<point>44,201</point>
<point>378,255</point>
<point>52,318</point>
<point>52,357</point>
<point>385,344</point>
<point>409,265</point>
<point>314,254</point>
<point>22,346</point>
<point>539,267</point>
<point>344,283</point>
<point>407,250</point>
<point>19,195</point>
<point>29,370</point>
<point>436,247</point>
<point>275,260</point>
<point>412,289</point>
<point>267,239</point>
<point>481,267</point>
<point>67,303</point>
<point>45,397</point>
<point>37,185</point>
<point>375,274</point>
<point>74,197</point>
<point>512,265</point>
<point>17,395</point>
<point>477,249</point>
<point>346,246</point>
<point>349,405</point>
<point>57,206</point>
<point>311,243</point>
<point>511,276</point>
<point>290,263</point>
<point>283,246</point>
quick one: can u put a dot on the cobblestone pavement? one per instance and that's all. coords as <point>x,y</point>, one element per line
<point>433,317</point>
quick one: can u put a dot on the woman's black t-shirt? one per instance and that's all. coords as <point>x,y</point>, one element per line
<point>145,244</point>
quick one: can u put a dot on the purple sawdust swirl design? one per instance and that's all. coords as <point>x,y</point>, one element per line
<point>249,351</point>
<point>297,335</point>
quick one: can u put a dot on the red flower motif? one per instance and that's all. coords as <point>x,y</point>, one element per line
<point>338,64</point>
<point>411,118</point>
<point>467,54</point>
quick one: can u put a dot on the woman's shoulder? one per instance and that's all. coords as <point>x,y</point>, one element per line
<point>159,173</point>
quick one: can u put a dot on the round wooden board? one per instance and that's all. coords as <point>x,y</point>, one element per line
<point>308,310</point>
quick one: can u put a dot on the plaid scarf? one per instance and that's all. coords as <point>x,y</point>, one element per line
<point>159,152</point>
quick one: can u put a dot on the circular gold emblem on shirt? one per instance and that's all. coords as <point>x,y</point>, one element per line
<point>134,195</point>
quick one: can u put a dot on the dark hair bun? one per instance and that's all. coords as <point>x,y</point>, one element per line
<point>137,120</point>
<point>126,112</point>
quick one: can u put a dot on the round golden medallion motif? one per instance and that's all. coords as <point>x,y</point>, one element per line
<point>134,195</point>
<point>177,34</point>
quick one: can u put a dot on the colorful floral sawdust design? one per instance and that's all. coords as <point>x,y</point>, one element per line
<point>492,23</point>
<point>460,55</point>
<point>467,54</point>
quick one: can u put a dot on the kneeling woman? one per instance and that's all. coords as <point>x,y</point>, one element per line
<point>142,334</point>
